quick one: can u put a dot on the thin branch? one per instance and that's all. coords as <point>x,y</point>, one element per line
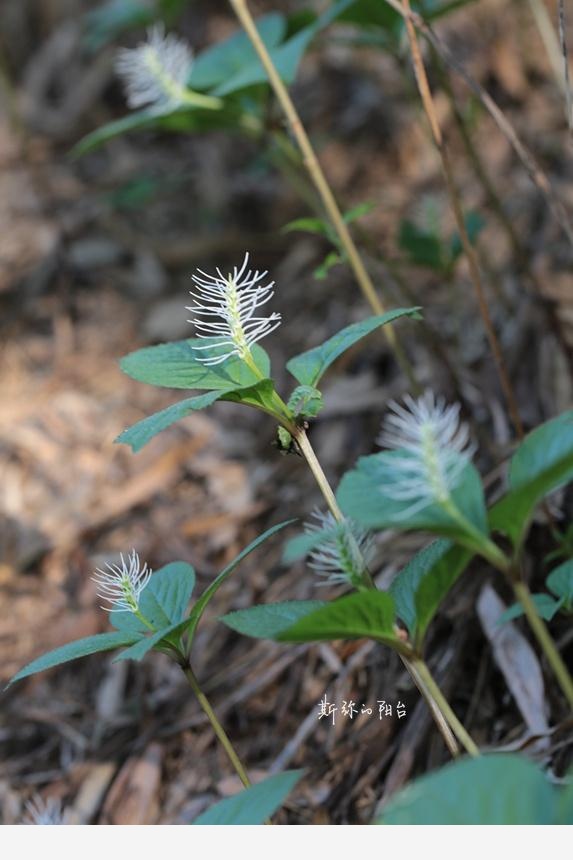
<point>470,252</point>
<point>565,54</point>
<point>536,174</point>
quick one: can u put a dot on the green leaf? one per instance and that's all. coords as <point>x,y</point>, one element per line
<point>286,57</point>
<point>331,260</point>
<point>546,606</point>
<point>310,366</point>
<point>260,396</point>
<point>358,211</point>
<point>75,650</point>
<point>367,614</point>
<point>255,804</point>
<point>147,643</point>
<point>176,365</point>
<point>112,18</point>
<point>271,619</point>
<point>316,226</point>
<point>421,586</point>
<point>560,582</point>
<point>305,401</point>
<point>491,789</point>
<point>542,463</point>
<point>423,248</point>
<point>144,431</point>
<point>165,598</point>
<point>185,119</point>
<point>225,60</point>
<point>361,496</point>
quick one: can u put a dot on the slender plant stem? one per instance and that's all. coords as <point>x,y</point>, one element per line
<point>545,641</point>
<point>442,717</point>
<point>307,451</point>
<point>321,183</point>
<point>435,711</point>
<point>441,701</point>
<point>429,107</point>
<point>217,727</point>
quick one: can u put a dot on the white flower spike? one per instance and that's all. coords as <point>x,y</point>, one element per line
<point>232,301</point>
<point>343,556</point>
<point>436,448</point>
<point>121,584</point>
<point>44,812</point>
<point>156,72</point>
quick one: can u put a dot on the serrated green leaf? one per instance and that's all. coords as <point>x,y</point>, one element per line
<point>560,582</point>
<point>491,789</point>
<point>542,463</point>
<point>229,58</point>
<point>271,619</point>
<point>75,650</point>
<point>165,598</point>
<point>309,367</point>
<point>421,586</point>
<point>260,396</point>
<point>367,614</point>
<point>144,431</point>
<point>546,606</point>
<point>305,401</point>
<point>252,805</point>
<point>176,365</point>
<point>362,497</point>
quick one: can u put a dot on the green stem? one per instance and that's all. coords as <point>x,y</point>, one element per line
<point>545,641</point>
<point>217,727</point>
<point>435,711</point>
<point>462,735</point>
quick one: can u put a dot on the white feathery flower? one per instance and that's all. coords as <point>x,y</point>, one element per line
<point>43,812</point>
<point>121,584</point>
<point>224,308</point>
<point>344,554</point>
<point>435,446</point>
<point>156,71</point>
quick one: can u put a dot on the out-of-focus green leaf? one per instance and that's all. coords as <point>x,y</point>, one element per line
<point>252,805</point>
<point>491,789</point>
<point>362,496</point>
<point>229,58</point>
